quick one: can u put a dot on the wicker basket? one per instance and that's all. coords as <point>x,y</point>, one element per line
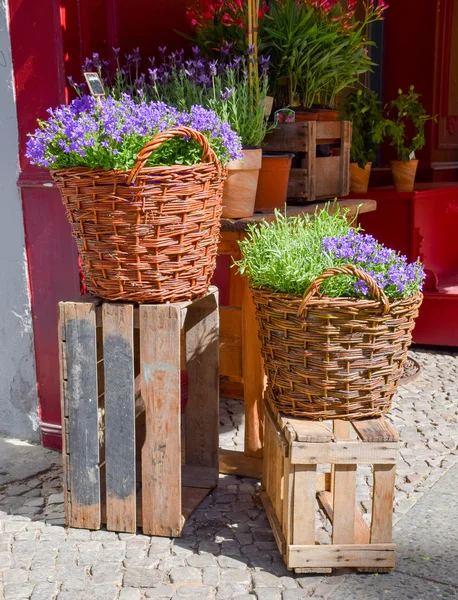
<point>150,235</point>
<point>334,358</point>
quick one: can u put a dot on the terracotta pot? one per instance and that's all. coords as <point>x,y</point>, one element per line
<point>239,193</point>
<point>327,114</point>
<point>404,174</point>
<point>305,115</point>
<point>273,181</point>
<point>359,178</point>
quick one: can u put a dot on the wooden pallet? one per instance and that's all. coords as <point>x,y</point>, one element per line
<point>317,177</point>
<point>121,412</point>
<point>292,487</point>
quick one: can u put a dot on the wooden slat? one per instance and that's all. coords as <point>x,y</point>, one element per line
<point>329,131</point>
<point>298,186</point>
<point>253,378</point>
<point>230,348</point>
<point>288,507</point>
<point>310,164</point>
<point>344,168</point>
<point>375,430</point>
<point>202,409</point>
<point>61,334</point>
<point>345,452</point>
<point>233,462</point>
<point>288,137</point>
<point>382,503</point>
<point>361,533</point>
<point>279,480</point>
<point>118,352</point>
<point>348,555</point>
<point>274,523</point>
<point>304,505</point>
<point>342,430</point>
<point>198,477</point>
<point>231,389</point>
<point>310,431</point>
<point>327,176</point>
<point>160,390</point>
<point>191,498</point>
<point>82,403</point>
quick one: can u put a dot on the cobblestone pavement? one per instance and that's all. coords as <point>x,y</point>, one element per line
<point>227,550</point>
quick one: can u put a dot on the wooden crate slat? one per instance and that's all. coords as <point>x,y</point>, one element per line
<point>345,452</point>
<point>82,405</point>
<point>382,502</point>
<point>289,137</point>
<point>198,477</point>
<point>343,555</point>
<point>299,184</point>
<point>345,147</point>
<point>230,351</point>
<point>160,390</point>
<point>304,503</point>
<point>288,488</point>
<point>118,352</point>
<point>233,462</point>
<point>328,132</point>
<point>274,522</point>
<point>375,430</point>
<point>361,532</point>
<point>310,431</point>
<point>327,175</point>
<point>202,362</point>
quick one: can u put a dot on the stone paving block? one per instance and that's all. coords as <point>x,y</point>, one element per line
<point>235,576</point>
<point>230,591</point>
<point>265,579</point>
<point>17,592</point>
<point>101,592</point>
<point>130,594</point>
<point>139,577</point>
<point>44,590</point>
<point>201,560</point>
<point>211,576</point>
<point>297,594</point>
<point>229,562</point>
<point>268,594</point>
<point>185,575</point>
<point>163,591</point>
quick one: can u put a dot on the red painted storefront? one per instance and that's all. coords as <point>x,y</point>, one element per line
<point>50,40</point>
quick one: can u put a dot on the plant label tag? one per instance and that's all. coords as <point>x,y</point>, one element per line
<point>412,156</point>
<point>95,84</point>
<point>285,115</point>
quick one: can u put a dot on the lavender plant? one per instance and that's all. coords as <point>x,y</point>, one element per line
<point>111,135</point>
<point>221,85</point>
<point>288,254</point>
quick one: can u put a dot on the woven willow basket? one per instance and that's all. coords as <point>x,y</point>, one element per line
<point>150,235</point>
<point>334,358</point>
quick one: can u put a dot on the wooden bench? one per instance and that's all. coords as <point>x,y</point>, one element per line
<point>121,412</point>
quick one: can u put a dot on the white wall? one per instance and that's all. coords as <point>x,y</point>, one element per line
<point>18,387</point>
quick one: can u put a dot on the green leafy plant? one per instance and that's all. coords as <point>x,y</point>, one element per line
<point>364,110</point>
<point>405,125</point>
<point>288,254</point>
<point>317,48</point>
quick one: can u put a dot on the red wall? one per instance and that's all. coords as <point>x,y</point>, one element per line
<point>49,42</point>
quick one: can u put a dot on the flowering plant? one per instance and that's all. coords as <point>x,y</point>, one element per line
<point>221,85</point>
<point>363,109</point>
<point>317,48</point>
<point>288,254</point>
<point>215,22</point>
<point>406,124</point>
<point>110,135</point>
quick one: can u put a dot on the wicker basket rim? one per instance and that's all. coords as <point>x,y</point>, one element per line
<point>324,301</point>
<point>103,172</point>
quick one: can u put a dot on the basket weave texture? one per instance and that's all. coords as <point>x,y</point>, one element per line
<point>150,235</point>
<point>334,358</point>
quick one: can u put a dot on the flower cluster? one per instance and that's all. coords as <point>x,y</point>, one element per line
<point>389,269</point>
<point>231,12</point>
<point>111,134</point>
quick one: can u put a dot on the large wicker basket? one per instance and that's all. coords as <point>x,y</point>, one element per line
<point>334,358</point>
<point>150,235</point>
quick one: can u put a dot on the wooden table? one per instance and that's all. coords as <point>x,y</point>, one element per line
<point>240,349</point>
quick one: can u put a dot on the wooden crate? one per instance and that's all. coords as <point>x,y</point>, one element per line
<point>322,177</point>
<point>292,487</point>
<point>121,413</point>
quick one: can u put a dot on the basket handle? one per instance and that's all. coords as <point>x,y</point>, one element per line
<point>376,292</point>
<point>208,154</point>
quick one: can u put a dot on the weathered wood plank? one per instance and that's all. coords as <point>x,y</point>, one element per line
<point>310,431</point>
<point>274,522</point>
<point>348,555</point>
<point>198,477</point>
<point>233,462</point>
<point>327,173</point>
<point>118,352</point>
<point>230,348</point>
<point>160,390</point>
<point>82,403</point>
<point>344,452</point>
<point>304,505</point>
<point>375,430</point>
<point>344,502</point>
<point>344,168</point>
<point>289,137</point>
<point>361,534</point>
<point>202,409</point>
<point>382,503</point>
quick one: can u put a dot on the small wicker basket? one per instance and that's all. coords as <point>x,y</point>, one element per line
<point>334,358</point>
<point>150,235</point>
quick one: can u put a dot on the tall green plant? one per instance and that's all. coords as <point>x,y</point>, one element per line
<point>406,124</point>
<point>317,48</point>
<point>364,110</point>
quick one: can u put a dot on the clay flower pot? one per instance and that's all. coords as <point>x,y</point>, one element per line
<point>404,174</point>
<point>359,178</point>
<point>239,193</point>
<point>273,181</point>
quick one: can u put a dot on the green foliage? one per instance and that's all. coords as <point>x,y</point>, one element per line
<point>286,255</point>
<point>315,53</point>
<point>363,109</point>
<point>406,123</point>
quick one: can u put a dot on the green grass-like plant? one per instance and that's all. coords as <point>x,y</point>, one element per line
<point>286,255</point>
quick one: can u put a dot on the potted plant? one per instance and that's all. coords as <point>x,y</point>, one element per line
<point>142,185</point>
<point>316,48</point>
<point>335,311</point>
<point>363,109</point>
<point>406,129</point>
<point>221,85</point>
<point>272,190</point>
